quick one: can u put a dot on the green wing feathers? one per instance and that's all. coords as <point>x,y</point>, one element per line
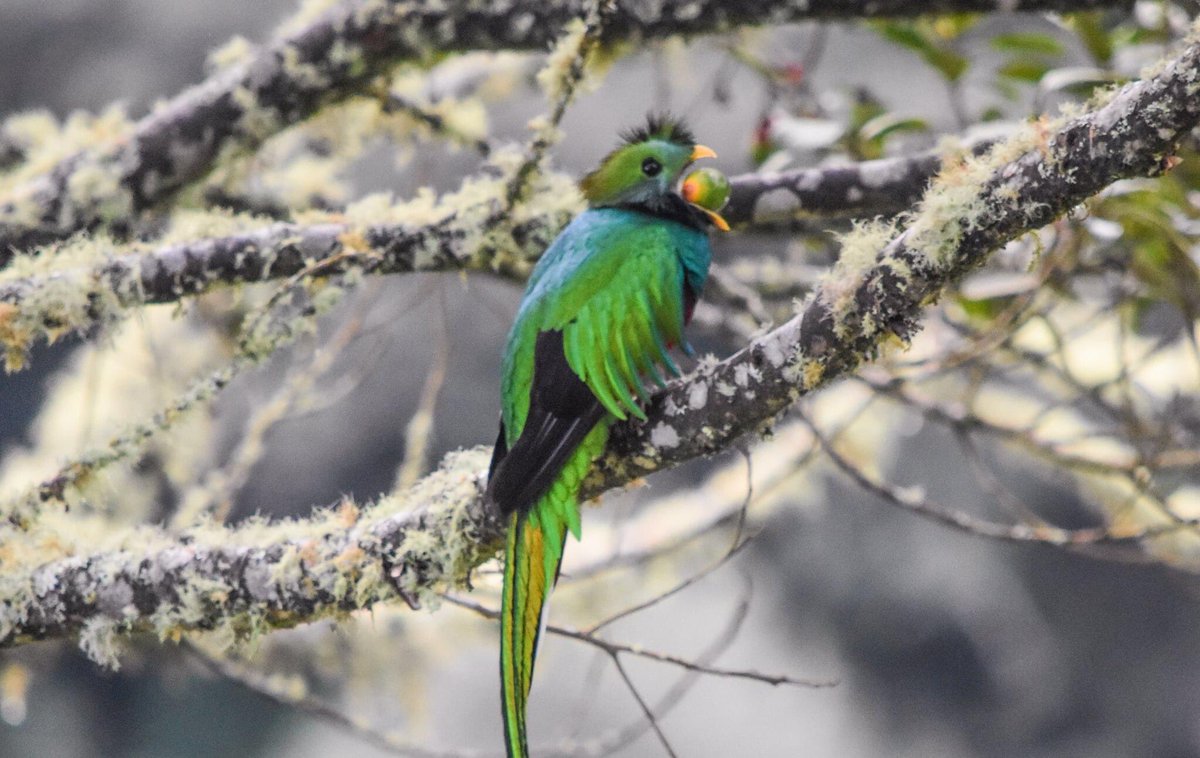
<point>620,336</point>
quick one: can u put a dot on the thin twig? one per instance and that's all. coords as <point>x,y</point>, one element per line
<point>646,711</point>
<point>566,85</point>
<point>913,500</point>
<point>611,647</point>
<point>680,587</point>
<point>242,675</point>
<point>420,426</point>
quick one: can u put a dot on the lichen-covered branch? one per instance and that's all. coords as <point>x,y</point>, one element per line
<point>875,295</point>
<point>337,55</point>
<point>263,576</point>
<point>880,187</point>
<point>471,228</point>
<point>81,298</point>
<point>341,560</point>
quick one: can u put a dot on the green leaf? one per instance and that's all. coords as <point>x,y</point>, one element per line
<point>1028,43</point>
<point>905,35</point>
<point>1160,232</point>
<point>981,310</point>
<point>1024,70</point>
<point>1079,80</point>
<point>1092,34</point>
<point>993,113</point>
<point>950,64</point>
<point>881,126</point>
<point>953,25</point>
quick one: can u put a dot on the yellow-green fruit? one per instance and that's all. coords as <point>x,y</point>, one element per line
<point>706,187</point>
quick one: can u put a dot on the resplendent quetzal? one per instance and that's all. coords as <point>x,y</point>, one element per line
<point>604,304</point>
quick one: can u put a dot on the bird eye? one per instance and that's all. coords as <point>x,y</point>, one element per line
<point>651,167</point>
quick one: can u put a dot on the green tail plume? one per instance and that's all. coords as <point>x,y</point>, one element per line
<point>532,557</point>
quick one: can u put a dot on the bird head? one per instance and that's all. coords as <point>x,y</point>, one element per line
<point>646,168</point>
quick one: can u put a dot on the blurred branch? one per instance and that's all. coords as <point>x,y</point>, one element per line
<point>395,103</point>
<point>337,55</point>
<point>615,648</point>
<point>411,545</point>
<point>615,741</point>
<point>880,187</point>
<point>289,693</point>
<point>963,419</point>
<point>914,500</point>
<point>214,496</point>
<point>419,430</point>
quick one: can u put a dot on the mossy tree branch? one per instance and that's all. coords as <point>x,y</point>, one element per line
<point>338,55</point>
<point>881,187</point>
<point>409,546</point>
<point>174,271</point>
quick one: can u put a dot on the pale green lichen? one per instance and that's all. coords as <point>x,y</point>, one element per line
<point>96,190</point>
<point>304,74</point>
<point>66,296</point>
<point>31,128</point>
<point>562,58</point>
<point>859,251</point>
<point>255,121</point>
<point>100,640</point>
<point>289,315</point>
<point>49,144</point>
<point>286,170</point>
<point>286,316</point>
<point>445,548</point>
<point>955,201</point>
<point>336,551</point>
<point>237,51</point>
<point>481,231</point>
<point>92,399</point>
<point>196,225</point>
<point>462,120</point>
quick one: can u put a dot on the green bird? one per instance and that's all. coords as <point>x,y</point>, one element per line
<point>603,306</point>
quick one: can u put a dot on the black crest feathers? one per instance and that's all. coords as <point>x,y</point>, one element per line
<point>662,126</point>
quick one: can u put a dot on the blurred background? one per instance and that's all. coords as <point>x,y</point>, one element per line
<point>941,643</point>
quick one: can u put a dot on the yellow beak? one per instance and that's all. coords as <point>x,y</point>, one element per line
<point>701,151</point>
<point>716,218</point>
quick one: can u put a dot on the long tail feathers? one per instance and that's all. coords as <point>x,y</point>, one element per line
<point>532,557</point>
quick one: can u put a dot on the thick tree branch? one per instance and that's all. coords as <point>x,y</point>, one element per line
<point>336,56</point>
<point>1021,185</point>
<point>257,578</point>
